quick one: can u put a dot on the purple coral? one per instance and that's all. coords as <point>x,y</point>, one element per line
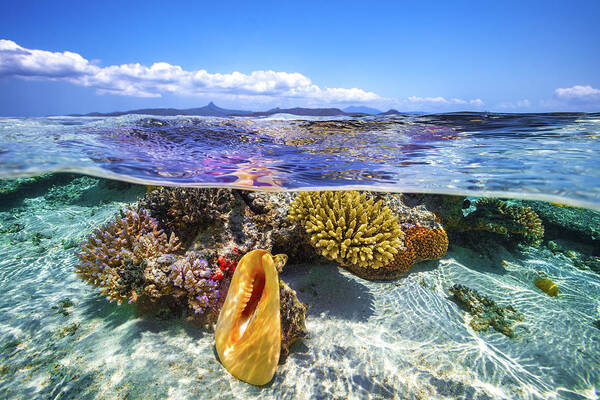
<point>193,274</point>
<point>113,257</point>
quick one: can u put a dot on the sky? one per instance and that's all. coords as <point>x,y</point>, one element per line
<point>63,57</point>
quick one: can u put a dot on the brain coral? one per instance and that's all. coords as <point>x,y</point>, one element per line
<point>348,228</point>
<point>113,257</point>
<point>419,244</point>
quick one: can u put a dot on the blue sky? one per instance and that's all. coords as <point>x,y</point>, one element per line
<point>76,57</point>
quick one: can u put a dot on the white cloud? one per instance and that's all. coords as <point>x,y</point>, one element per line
<point>138,80</point>
<point>578,93</point>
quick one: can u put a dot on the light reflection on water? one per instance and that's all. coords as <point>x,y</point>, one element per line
<point>538,156</point>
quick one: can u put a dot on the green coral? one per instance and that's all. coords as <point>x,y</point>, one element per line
<point>348,228</point>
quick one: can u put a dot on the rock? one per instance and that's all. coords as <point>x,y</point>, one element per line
<point>293,316</point>
<point>485,311</point>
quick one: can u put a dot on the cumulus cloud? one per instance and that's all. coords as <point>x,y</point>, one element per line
<point>138,80</point>
<point>578,93</point>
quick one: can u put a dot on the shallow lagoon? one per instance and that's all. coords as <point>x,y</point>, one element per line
<point>406,338</point>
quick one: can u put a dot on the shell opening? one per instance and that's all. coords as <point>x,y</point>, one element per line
<point>249,310</point>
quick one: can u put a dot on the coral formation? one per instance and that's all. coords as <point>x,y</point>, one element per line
<point>419,244</point>
<point>547,286</point>
<point>195,276</point>
<point>485,311</point>
<point>494,215</point>
<point>184,210</point>
<point>568,222</point>
<point>112,258</point>
<point>248,331</point>
<point>348,228</point>
<point>427,244</point>
<point>458,214</point>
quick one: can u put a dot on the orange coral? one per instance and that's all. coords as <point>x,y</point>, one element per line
<point>428,244</point>
<point>419,244</point>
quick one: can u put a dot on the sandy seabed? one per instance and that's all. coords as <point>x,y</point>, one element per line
<point>404,339</point>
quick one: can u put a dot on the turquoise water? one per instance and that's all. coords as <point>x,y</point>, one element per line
<point>403,338</point>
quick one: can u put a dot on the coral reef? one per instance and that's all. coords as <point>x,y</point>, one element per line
<point>485,311</point>
<point>428,244</point>
<point>183,211</point>
<point>420,244</point>
<point>568,222</point>
<point>448,209</point>
<point>348,228</point>
<point>459,215</point>
<point>112,258</point>
<point>516,222</point>
<point>193,275</point>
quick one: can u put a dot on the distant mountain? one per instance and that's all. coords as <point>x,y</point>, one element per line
<point>361,110</point>
<point>390,111</point>
<point>211,110</point>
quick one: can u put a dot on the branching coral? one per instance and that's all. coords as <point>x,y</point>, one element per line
<point>419,244</point>
<point>494,215</point>
<point>194,275</point>
<point>183,210</point>
<point>348,228</point>
<point>113,257</point>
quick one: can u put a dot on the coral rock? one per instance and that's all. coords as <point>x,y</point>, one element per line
<point>485,311</point>
<point>183,211</point>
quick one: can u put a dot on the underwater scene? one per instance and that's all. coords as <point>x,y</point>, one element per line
<point>407,256</point>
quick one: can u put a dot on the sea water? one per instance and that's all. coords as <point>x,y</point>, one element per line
<point>405,338</point>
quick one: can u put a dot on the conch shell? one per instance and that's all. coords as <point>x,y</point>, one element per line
<point>248,331</point>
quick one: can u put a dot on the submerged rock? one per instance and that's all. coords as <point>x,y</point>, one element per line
<point>485,311</point>
<point>293,318</point>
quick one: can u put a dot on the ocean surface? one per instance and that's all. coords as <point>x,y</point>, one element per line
<point>535,156</point>
<point>60,177</point>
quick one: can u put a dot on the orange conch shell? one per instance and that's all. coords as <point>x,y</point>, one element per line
<point>248,332</point>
